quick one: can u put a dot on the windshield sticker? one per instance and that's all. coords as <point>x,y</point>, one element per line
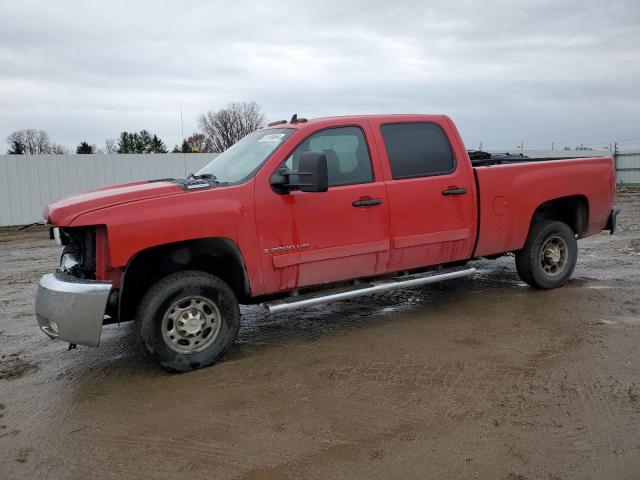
<point>273,137</point>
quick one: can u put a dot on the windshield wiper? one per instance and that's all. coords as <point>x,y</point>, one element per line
<point>205,176</point>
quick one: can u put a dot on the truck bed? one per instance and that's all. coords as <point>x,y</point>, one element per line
<point>510,190</point>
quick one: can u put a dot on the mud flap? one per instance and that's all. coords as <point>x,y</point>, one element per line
<point>612,221</point>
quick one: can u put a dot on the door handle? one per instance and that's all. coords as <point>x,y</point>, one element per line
<point>367,202</point>
<point>454,191</point>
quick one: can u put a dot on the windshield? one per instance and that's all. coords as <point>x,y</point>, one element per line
<point>239,162</point>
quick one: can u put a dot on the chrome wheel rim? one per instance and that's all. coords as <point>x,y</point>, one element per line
<point>191,324</point>
<point>553,255</point>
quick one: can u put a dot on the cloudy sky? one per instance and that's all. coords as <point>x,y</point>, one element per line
<point>505,70</point>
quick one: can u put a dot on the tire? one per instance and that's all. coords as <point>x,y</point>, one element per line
<point>188,320</point>
<point>549,255</point>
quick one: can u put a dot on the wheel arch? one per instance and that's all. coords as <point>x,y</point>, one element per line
<point>572,210</point>
<point>217,255</point>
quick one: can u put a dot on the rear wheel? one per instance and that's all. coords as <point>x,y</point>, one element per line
<point>549,255</point>
<point>188,320</point>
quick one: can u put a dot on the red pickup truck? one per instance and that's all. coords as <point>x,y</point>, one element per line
<point>307,212</point>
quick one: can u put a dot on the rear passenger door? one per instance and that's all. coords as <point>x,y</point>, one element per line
<point>431,195</point>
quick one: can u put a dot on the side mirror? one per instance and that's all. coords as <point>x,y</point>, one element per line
<point>311,175</point>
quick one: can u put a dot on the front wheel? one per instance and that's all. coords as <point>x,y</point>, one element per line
<point>188,320</point>
<point>549,255</point>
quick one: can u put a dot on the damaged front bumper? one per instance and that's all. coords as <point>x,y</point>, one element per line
<point>71,309</point>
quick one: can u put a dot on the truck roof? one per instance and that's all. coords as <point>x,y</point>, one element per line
<point>403,117</point>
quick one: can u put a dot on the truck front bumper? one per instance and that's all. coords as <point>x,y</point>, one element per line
<point>71,309</point>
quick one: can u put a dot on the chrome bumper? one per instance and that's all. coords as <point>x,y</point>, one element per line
<point>71,309</point>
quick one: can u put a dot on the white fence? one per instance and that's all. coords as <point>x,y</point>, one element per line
<point>29,182</point>
<point>628,168</point>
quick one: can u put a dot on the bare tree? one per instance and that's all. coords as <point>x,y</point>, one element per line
<point>110,146</point>
<point>226,126</point>
<point>33,142</point>
<point>29,141</point>
<point>58,149</point>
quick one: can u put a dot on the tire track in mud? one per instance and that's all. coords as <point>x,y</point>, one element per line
<point>606,425</point>
<point>594,405</point>
<point>459,386</point>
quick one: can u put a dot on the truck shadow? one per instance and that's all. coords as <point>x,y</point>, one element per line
<point>260,331</point>
<point>120,355</point>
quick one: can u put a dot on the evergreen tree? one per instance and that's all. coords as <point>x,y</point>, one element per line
<point>124,144</point>
<point>186,148</point>
<point>145,141</point>
<point>140,142</point>
<point>84,148</point>
<point>157,145</point>
<point>132,142</point>
<point>18,149</point>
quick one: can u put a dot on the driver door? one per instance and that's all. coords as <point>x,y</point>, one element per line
<point>309,238</point>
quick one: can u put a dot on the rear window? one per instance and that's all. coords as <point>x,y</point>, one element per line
<point>417,150</point>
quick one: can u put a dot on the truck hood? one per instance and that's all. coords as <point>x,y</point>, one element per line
<point>64,211</point>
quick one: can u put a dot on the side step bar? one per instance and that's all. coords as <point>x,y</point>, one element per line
<point>319,298</point>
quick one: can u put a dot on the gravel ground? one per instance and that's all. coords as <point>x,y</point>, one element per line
<point>476,378</point>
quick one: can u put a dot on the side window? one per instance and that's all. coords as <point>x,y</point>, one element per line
<point>417,150</point>
<point>348,159</point>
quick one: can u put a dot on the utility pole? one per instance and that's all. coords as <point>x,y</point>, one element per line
<point>552,146</point>
<point>480,146</point>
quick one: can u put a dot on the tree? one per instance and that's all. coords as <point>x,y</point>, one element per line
<point>144,142</point>
<point>199,143</point>
<point>84,148</point>
<point>123,145</point>
<point>140,142</point>
<point>57,149</point>
<point>226,126</point>
<point>184,148</point>
<point>29,141</point>
<point>16,148</point>
<point>110,146</point>
<point>157,145</point>
<point>32,142</point>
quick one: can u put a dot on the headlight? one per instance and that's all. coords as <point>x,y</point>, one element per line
<point>68,261</point>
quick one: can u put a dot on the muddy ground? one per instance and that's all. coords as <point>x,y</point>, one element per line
<point>479,378</point>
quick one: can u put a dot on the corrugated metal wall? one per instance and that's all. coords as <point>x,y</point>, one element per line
<point>29,182</point>
<point>628,167</point>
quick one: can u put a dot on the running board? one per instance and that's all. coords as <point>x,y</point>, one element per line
<point>368,288</point>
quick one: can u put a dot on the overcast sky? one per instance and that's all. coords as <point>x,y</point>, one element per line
<point>505,71</point>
